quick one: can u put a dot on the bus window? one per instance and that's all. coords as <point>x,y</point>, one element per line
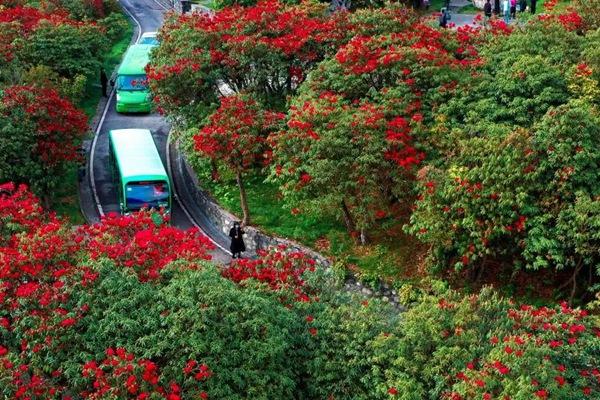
<point>132,82</point>
<point>147,194</point>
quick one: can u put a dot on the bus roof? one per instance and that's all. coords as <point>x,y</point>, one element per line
<point>135,60</point>
<point>137,156</point>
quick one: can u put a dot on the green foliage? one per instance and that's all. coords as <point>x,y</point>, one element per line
<point>246,338</point>
<point>344,360</point>
<point>462,347</point>
<point>518,90</point>
<point>43,76</point>
<point>509,196</point>
<point>69,50</point>
<point>115,25</point>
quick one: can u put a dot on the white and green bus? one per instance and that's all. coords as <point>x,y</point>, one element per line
<point>138,171</point>
<point>133,94</point>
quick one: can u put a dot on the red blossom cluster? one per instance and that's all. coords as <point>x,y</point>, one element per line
<point>570,19</point>
<point>292,31</point>
<point>542,343</point>
<point>279,269</point>
<point>237,133</point>
<point>421,45</point>
<point>141,242</point>
<point>59,125</point>
<point>21,21</point>
<point>121,375</point>
<point>20,210</point>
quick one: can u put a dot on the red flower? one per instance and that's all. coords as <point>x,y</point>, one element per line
<point>393,391</point>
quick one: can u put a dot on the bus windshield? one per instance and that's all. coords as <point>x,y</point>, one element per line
<point>147,194</point>
<point>132,82</point>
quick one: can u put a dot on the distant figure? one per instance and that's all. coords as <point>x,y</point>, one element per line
<point>532,6</point>
<point>444,18</point>
<point>487,9</point>
<point>497,7</point>
<point>522,5</point>
<point>237,240</point>
<point>513,9</point>
<point>506,10</point>
<point>103,81</point>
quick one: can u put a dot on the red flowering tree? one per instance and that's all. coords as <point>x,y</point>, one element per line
<point>282,271</point>
<point>518,197</point>
<point>39,136</point>
<point>354,130</point>
<point>235,137</point>
<point>144,243</point>
<point>486,347</point>
<point>265,49</point>
<point>53,39</point>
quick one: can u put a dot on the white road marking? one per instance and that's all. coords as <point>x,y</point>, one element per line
<point>168,149</point>
<point>185,210</point>
<point>99,127</point>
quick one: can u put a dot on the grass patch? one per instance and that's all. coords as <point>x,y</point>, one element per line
<point>206,3</point>
<point>391,254</point>
<point>470,9</point>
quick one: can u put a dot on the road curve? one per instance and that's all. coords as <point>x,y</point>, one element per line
<point>148,17</point>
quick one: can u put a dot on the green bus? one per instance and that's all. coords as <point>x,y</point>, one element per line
<point>138,171</point>
<point>133,94</point>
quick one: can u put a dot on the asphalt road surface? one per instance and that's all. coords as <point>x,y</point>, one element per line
<point>147,15</point>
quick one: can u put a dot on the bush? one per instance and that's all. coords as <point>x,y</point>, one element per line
<point>44,77</point>
<point>67,49</point>
<point>115,24</point>
<point>39,136</point>
<point>484,346</point>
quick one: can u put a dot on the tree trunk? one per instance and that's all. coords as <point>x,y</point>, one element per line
<point>364,238</point>
<point>243,199</point>
<point>46,203</point>
<point>348,220</point>
<point>214,173</point>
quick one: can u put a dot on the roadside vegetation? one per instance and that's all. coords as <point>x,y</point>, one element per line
<point>53,51</point>
<point>92,322</point>
<point>459,165</point>
<point>430,149</point>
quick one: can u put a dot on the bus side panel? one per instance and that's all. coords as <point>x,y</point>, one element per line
<point>116,177</point>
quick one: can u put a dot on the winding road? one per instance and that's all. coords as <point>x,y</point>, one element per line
<point>148,17</point>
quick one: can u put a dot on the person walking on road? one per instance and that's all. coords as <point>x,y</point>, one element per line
<point>103,81</point>
<point>487,9</point>
<point>506,10</point>
<point>513,9</point>
<point>444,18</point>
<point>237,240</point>
<point>532,6</point>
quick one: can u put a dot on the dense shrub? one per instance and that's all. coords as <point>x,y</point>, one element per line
<point>39,136</point>
<point>67,49</point>
<point>75,321</point>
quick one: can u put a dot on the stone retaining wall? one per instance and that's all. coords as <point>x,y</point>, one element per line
<point>256,239</point>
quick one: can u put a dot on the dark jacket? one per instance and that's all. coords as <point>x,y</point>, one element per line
<point>237,240</point>
<point>444,19</point>
<point>103,78</point>
<point>487,9</point>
